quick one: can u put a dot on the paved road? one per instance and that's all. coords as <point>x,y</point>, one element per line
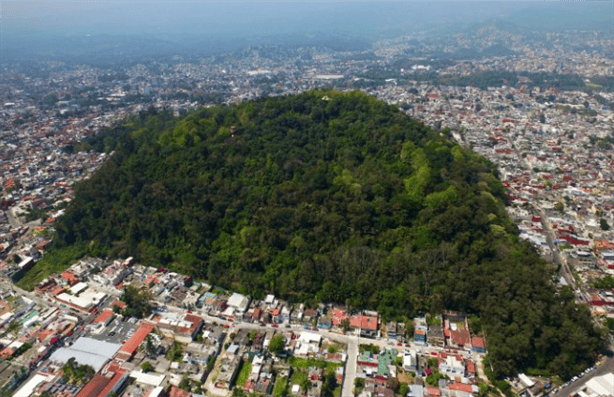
<point>350,370</point>
<point>351,340</point>
<point>209,385</point>
<point>606,367</point>
<point>14,221</point>
<point>551,237</point>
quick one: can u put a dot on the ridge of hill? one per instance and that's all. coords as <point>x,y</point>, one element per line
<point>327,196</point>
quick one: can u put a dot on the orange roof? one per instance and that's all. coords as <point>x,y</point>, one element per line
<point>461,337</point>
<point>476,341</point>
<point>338,316</point>
<point>104,316</point>
<point>366,322</point>
<point>45,333</point>
<point>177,392</point>
<point>195,322</point>
<point>460,387</point>
<point>69,277</point>
<point>120,304</point>
<point>58,291</point>
<point>7,352</point>
<point>433,391</point>
<point>101,385</point>
<point>139,336</point>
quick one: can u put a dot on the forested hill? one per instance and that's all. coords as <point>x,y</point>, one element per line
<point>327,196</point>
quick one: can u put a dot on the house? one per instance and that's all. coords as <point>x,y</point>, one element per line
<point>105,317</point>
<point>130,347</point>
<point>338,317</point>
<point>229,369</point>
<point>436,336</point>
<point>478,344</point>
<point>416,391</point>
<point>308,343</point>
<point>460,389</point>
<point>309,315</point>
<point>391,329</point>
<point>460,338</point>
<point>325,322</point>
<point>183,329</point>
<point>107,382</point>
<point>410,362</point>
<point>239,302</point>
<point>274,315</point>
<point>366,323</point>
<point>420,332</point>
<point>451,364</point>
<point>471,368</point>
<point>70,278</point>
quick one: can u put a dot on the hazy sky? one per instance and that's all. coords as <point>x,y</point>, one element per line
<point>60,17</point>
<point>29,24</point>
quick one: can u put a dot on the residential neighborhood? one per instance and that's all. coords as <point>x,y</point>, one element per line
<point>203,340</point>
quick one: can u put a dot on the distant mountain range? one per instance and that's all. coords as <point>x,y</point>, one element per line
<point>135,32</point>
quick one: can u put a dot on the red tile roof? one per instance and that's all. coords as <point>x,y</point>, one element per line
<point>58,291</point>
<point>119,304</point>
<point>104,316</point>
<point>137,338</point>
<point>338,316</point>
<point>196,324</point>
<point>460,387</point>
<point>94,386</point>
<point>461,338</point>
<point>7,352</point>
<point>364,322</point>
<point>177,392</point>
<point>310,313</point>
<point>101,385</point>
<point>476,341</point>
<point>45,333</point>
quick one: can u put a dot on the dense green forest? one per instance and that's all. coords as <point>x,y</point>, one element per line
<point>327,196</point>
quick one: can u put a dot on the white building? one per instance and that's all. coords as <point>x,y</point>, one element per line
<point>452,366</point>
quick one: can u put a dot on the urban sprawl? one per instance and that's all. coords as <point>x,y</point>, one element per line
<point>73,335</point>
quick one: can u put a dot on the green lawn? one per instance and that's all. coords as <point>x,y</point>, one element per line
<point>298,378</point>
<point>55,261</point>
<point>280,386</point>
<point>244,374</point>
<point>305,363</point>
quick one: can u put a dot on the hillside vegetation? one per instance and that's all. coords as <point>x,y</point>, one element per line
<point>328,197</point>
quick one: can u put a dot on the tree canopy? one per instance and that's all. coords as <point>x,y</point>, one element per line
<point>77,374</point>
<point>277,344</point>
<point>328,196</point>
<point>138,302</point>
